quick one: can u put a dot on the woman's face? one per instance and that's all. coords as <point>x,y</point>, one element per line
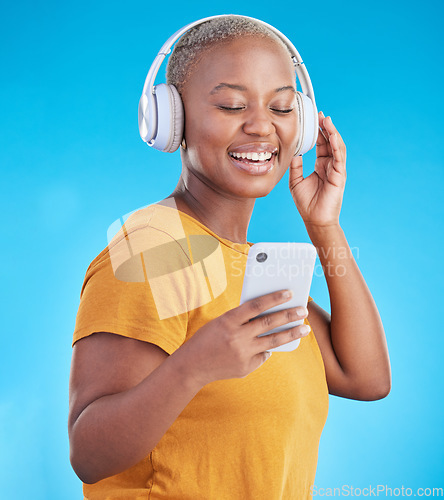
<point>241,122</point>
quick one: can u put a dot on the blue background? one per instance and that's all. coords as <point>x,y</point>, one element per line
<point>72,163</point>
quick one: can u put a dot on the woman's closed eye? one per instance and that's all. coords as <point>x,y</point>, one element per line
<point>232,108</point>
<point>241,108</point>
<point>280,110</point>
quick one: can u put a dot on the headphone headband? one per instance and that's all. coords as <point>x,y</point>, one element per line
<point>148,104</point>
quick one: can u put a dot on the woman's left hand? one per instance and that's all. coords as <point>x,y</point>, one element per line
<point>318,197</point>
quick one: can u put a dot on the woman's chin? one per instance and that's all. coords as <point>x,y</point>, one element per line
<point>252,189</point>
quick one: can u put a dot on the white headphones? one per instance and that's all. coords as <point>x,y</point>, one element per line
<point>161,115</point>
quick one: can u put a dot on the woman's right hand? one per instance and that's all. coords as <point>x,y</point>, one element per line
<point>229,346</point>
<point>126,393</point>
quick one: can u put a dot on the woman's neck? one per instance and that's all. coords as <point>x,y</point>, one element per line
<point>226,216</point>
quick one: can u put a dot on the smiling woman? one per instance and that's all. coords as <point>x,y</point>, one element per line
<point>173,393</point>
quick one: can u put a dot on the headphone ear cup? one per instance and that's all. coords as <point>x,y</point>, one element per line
<point>170,118</point>
<point>177,119</point>
<point>147,117</point>
<point>308,123</point>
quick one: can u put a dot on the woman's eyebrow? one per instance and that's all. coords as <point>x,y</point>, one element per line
<point>287,87</point>
<point>229,86</point>
<point>242,88</point>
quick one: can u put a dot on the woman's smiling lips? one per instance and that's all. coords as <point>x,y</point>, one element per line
<point>255,159</point>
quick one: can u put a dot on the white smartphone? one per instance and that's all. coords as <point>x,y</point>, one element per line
<point>279,266</point>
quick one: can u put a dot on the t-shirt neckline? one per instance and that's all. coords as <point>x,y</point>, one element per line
<point>239,247</point>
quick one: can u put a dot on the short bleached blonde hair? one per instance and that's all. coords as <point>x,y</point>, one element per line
<point>191,47</point>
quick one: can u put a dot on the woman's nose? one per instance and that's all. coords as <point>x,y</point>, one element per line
<point>259,122</point>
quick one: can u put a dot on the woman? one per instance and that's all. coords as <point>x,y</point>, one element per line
<point>173,394</point>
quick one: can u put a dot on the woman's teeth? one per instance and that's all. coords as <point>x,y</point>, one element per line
<point>252,156</point>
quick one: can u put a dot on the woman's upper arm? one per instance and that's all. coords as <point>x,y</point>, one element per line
<point>320,323</point>
<point>104,364</point>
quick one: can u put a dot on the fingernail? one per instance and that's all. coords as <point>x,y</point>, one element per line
<point>304,329</point>
<point>287,294</point>
<point>322,113</point>
<point>302,311</point>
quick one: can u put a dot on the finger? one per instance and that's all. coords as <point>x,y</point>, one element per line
<point>252,308</point>
<point>280,338</point>
<point>322,145</point>
<point>296,171</point>
<point>321,126</point>
<point>328,125</point>
<point>333,132</point>
<point>338,152</point>
<point>267,322</point>
<point>322,142</point>
<point>337,145</point>
<point>322,138</point>
<point>261,357</point>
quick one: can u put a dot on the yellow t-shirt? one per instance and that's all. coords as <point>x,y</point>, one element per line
<point>162,277</point>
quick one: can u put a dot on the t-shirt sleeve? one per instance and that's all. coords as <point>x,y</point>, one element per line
<point>136,288</point>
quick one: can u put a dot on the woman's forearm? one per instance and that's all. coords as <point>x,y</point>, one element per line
<point>357,333</point>
<point>117,431</point>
